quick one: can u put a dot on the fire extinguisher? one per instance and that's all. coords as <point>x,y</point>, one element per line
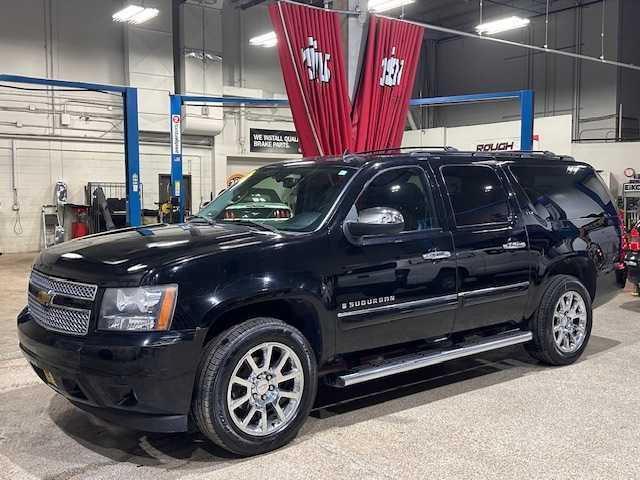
<point>80,227</point>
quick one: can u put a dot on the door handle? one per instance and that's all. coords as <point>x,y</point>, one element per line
<point>436,255</point>
<point>514,245</point>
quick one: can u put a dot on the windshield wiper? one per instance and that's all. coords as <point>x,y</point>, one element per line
<point>253,223</point>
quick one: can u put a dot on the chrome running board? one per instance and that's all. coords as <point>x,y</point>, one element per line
<point>406,363</point>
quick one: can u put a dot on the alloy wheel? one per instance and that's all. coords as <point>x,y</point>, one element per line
<point>265,389</point>
<point>570,322</point>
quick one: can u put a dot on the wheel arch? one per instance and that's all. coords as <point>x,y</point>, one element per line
<point>299,312</point>
<point>580,267</point>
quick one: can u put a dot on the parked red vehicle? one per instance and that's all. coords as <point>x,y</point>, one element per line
<point>632,256</point>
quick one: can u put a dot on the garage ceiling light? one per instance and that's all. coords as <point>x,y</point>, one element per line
<point>384,5</point>
<point>135,14</point>
<point>265,40</point>
<point>502,25</point>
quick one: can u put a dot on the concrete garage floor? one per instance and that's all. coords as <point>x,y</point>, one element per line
<point>496,416</point>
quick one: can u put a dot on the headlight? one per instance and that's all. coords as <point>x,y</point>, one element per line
<point>138,309</point>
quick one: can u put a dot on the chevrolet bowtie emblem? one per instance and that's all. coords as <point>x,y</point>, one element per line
<point>45,297</point>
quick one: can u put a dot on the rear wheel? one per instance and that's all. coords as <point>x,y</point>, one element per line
<point>561,326</point>
<point>255,387</point>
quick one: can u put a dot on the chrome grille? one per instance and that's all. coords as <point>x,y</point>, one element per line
<point>64,287</point>
<point>61,318</point>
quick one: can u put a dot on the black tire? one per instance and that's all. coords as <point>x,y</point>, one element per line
<point>218,361</point>
<point>544,347</point>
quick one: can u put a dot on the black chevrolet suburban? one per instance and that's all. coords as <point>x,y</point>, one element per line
<point>345,269</point>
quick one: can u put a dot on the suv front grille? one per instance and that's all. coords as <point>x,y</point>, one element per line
<point>64,287</point>
<point>56,316</point>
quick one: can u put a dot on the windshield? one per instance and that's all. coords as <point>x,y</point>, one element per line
<point>290,197</point>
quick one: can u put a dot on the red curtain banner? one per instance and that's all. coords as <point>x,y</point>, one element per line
<point>388,74</point>
<point>312,61</point>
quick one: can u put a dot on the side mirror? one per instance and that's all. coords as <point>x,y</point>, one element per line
<point>376,221</point>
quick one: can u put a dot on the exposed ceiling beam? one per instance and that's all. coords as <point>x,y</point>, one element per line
<point>502,41</point>
<point>251,3</point>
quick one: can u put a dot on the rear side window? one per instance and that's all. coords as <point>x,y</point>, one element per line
<point>559,192</point>
<point>477,195</point>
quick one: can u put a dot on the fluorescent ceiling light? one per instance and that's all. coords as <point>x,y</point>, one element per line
<point>127,13</point>
<point>265,40</point>
<point>146,14</point>
<point>502,25</point>
<point>384,5</point>
<point>135,14</point>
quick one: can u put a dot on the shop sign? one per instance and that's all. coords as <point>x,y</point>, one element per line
<point>494,147</point>
<point>632,189</point>
<point>274,141</point>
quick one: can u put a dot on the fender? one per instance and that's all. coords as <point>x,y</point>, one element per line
<point>577,264</point>
<point>307,295</point>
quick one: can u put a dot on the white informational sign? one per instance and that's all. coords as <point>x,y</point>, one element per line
<point>134,181</point>
<point>632,189</point>
<point>177,192</point>
<point>176,135</point>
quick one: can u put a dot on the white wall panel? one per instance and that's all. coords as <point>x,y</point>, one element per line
<point>612,158</point>
<point>22,38</point>
<point>261,66</point>
<point>149,66</point>
<point>554,134</point>
<point>88,45</point>
<point>40,164</point>
<point>150,52</point>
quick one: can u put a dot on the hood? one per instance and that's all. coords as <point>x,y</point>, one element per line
<point>125,256</point>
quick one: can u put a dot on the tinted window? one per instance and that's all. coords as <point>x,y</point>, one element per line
<point>292,197</point>
<point>564,191</point>
<point>476,193</point>
<point>405,190</point>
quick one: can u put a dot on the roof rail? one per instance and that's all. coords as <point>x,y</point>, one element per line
<point>395,149</point>
<point>529,153</point>
<point>544,153</point>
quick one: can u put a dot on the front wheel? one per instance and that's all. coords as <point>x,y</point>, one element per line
<point>255,387</point>
<point>562,324</point>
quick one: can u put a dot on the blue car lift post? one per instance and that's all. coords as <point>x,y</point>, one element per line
<point>131,134</point>
<point>175,104</point>
<point>525,97</point>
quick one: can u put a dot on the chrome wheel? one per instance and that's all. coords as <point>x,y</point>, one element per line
<point>570,322</point>
<point>265,389</point>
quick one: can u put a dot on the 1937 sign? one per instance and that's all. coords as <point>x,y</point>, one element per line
<point>274,141</point>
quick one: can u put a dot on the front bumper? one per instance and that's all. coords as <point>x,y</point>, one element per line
<point>139,380</point>
<point>632,261</point>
